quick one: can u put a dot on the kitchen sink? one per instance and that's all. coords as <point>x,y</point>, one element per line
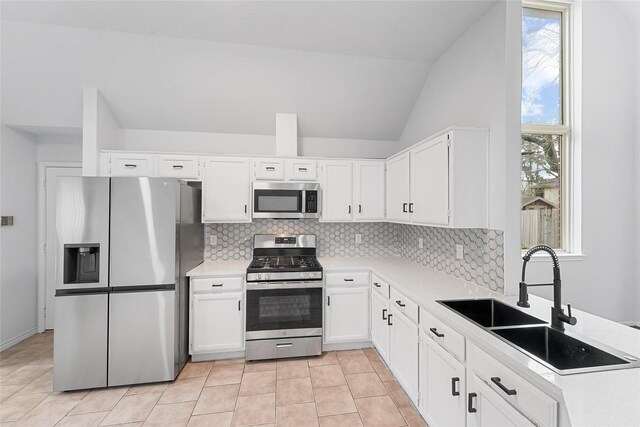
<point>562,351</point>
<point>491,313</point>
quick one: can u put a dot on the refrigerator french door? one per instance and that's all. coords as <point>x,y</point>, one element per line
<point>142,277</point>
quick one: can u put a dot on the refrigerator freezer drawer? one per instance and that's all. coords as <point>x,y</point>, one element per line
<point>141,337</point>
<point>80,342</point>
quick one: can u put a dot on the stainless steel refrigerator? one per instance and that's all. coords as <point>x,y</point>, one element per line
<point>123,248</point>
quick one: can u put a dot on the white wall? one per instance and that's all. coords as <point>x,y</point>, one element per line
<point>245,144</point>
<point>476,83</point>
<point>59,148</point>
<point>18,288</point>
<point>605,282</point>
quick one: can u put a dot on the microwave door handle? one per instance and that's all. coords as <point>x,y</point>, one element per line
<point>303,208</point>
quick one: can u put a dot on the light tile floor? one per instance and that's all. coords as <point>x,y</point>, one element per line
<point>346,388</point>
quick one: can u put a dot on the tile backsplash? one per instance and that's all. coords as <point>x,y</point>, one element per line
<point>482,263</point>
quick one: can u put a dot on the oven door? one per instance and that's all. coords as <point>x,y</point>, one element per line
<point>284,312</point>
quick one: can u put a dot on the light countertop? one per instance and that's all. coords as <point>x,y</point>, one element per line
<point>590,399</point>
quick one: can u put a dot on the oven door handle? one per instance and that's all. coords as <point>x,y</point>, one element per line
<point>265,286</point>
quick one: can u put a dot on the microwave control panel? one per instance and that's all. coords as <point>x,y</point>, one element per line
<point>311,202</point>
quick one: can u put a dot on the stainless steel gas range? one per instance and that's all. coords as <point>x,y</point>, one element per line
<point>284,298</point>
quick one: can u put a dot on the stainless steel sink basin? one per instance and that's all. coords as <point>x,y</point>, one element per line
<point>564,353</point>
<point>491,313</point>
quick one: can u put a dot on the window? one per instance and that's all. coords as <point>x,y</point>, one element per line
<point>546,132</point>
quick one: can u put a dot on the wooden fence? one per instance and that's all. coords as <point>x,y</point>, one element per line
<point>540,227</point>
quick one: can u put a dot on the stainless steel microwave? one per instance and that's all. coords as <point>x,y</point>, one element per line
<point>286,200</point>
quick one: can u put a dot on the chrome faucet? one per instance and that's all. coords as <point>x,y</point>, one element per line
<point>558,318</point>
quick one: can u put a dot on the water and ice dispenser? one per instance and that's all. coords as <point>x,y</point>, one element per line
<point>81,263</point>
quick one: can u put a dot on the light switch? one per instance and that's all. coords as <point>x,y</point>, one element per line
<point>421,242</point>
<point>213,240</point>
<point>460,251</point>
<point>358,238</point>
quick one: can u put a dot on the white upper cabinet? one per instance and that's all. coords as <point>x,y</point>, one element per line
<point>368,191</point>
<point>430,178</point>
<point>178,166</point>
<point>301,170</point>
<point>442,181</point>
<point>397,188</point>
<point>131,164</point>
<point>268,169</point>
<point>337,190</point>
<point>226,190</point>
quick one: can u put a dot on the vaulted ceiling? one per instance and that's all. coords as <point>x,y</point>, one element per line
<point>348,69</point>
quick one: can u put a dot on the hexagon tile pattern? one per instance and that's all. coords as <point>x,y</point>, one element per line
<point>483,261</point>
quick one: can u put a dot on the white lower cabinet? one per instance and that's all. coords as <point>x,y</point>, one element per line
<point>346,314</point>
<point>217,322</point>
<point>442,385</point>
<point>380,332</point>
<point>404,347</point>
<point>487,409</point>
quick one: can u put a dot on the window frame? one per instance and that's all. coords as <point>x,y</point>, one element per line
<point>568,129</point>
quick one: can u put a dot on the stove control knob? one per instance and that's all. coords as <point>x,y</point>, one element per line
<point>258,276</point>
<point>267,276</point>
<point>303,275</point>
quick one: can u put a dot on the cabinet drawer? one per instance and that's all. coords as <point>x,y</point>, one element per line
<point>528,399</point>
<point>216,284</point>
<point>301,170</point>
<point>404,305</point>
<point>355,278</point>
<point>451,340</point>
<point>268,169</point>
<point>379,286</point>
<point>132,165</point>
<point>178,166</point>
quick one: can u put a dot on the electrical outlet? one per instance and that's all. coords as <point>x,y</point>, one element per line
<point>213,240</point>
<point>358,238</point>
<point>460,251</point>
<point>421,242</point>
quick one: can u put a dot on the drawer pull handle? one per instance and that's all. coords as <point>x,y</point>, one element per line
<point>376,284</point>
<point>509,391</point>
<point>436,333</point>
<point>178,167</point>
<point>217,285</point>
<point>289,344</point>
<point>270,168</point>
<point>302,169</point>
<point>348,280</point>
<point>384,312</point>
<point>389,319</point>
<point>130,166</point>
<point>470,407</point>
<point>454,389</point>
<point>400,303</point>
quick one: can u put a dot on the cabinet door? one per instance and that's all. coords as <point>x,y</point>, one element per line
<point>226,190</point>
<point>337,189</point>
<point>132,164</point>
<point>369,200</point>
<point>486,409</point>
<point>268,169</point>
<point>346,315</point>
<point>397,188</point>
<point>430,183</point>
<point>379,324</point>
<point>300,170</point>
<point>217,323</point>
<point>404,348</point>
<point>442,386</point>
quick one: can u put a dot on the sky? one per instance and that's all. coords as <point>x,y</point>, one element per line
<point>541,47</point>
